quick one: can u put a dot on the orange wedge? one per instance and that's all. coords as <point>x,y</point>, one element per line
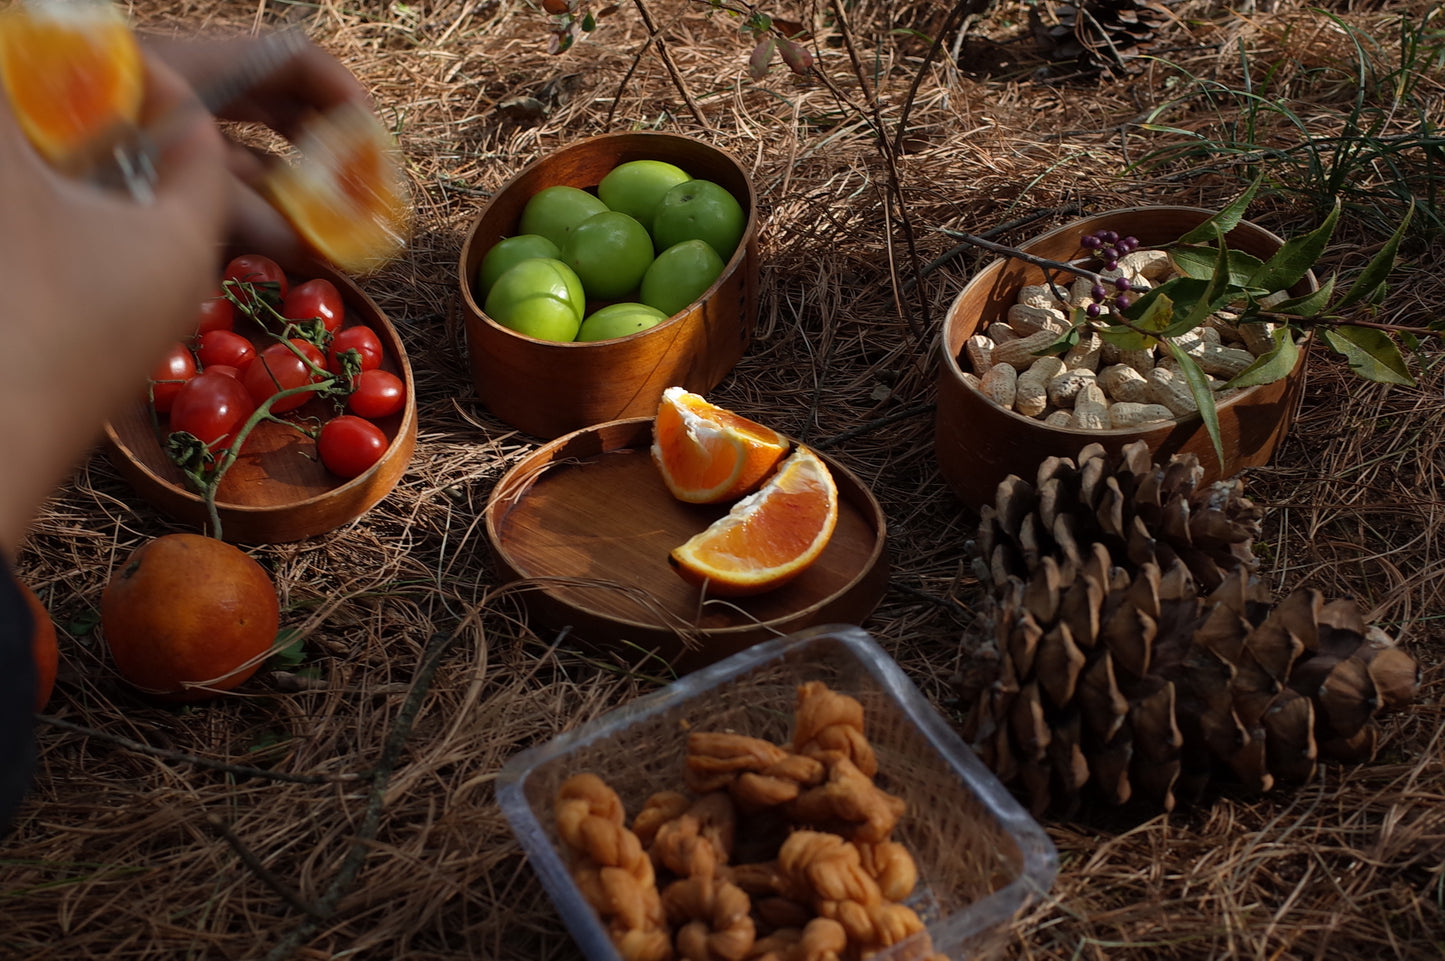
<point>770,536</point>
<point>707,454</point>
<point>72,71</point>
<point>346,195</point>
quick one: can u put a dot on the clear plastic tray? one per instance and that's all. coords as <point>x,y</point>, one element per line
<point>981,857</point>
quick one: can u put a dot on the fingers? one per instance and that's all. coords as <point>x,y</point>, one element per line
<point>309,81</point>
<point>255,225</point>
<point>193,179</point>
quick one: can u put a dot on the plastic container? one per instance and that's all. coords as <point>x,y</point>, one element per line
<point>981,858</point>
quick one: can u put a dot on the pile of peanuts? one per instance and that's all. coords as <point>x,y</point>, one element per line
<point>1095,385</point>
<point>771,853</point>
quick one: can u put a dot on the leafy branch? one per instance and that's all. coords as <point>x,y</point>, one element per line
<point>1212,278</point>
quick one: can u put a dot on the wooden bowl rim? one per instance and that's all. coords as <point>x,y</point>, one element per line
<point>351,290</point>
<point>949,361</point>
<point>750,229</point>
<point>514,484</point>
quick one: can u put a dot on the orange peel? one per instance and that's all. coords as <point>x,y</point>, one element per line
<point>73,74</point>
<point>769,537</point>
<point>708,455</point>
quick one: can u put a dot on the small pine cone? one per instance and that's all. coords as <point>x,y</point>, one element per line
<point>1099,37</point>
<point>1136,655</point>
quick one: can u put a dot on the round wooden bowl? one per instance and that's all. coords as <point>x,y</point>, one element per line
<point>277,491</point>
<point>978,443</point>
<point>585,525</point>
<point>547,388</point>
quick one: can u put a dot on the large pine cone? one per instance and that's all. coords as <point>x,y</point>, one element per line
<point>1135,654</point>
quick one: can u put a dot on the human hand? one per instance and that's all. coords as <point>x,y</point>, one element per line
<point>308,82</point>
<point>96,287</point>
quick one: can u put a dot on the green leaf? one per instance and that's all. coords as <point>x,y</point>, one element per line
<point>1215,289</point>
<point>1203,393</point>
<point>1370,353</point>
<point>289,648</point>
<point>1200,261</point>
<point>1296,256</point>
<point>1310,304</point>
<point>1151,313</point>
<point>1067,340</point>
<point>1226,220</point>
<point>1372,278</point>
<point>1272,365</point>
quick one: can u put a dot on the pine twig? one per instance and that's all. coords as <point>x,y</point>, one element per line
<point>239,770</point>
<point>672,70</point>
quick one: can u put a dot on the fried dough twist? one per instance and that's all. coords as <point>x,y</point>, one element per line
<point>612,870</point>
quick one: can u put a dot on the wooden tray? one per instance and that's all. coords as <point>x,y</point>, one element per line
<point>588,522</point>
<point>277,491</point>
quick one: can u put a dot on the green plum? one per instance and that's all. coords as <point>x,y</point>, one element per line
<point>541,298</point>
<point>680,275</point>
<point>619,320</point>
<point>610,251</point>
<point>554,211</point>
<point>699,210</point>
<point>637,187</point>
<point>507,253</point>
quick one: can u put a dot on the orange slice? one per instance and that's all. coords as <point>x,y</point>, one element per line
<point>707,454</point>
<point>346,195</point>
<point>72,71</point>
<point>770,536</point>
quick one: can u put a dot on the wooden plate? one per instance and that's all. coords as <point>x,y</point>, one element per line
<point>587,521</point>
<point>277,491</point>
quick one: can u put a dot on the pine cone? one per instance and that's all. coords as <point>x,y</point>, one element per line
<point>1135,654</point>
<point>1099,36</point>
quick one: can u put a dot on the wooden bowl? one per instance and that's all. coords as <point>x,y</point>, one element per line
<point>277,491</point>
<point>588,523</point>
<point>547,388</point>
<point>978,443</point>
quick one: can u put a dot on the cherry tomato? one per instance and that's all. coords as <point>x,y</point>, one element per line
<point>349,445</point>
<point>225,347</point>
<point>217,313</point>
<point>213,407</point>
<point>359,338</point>
<point>262,272</point>
<point>176,365</point>
<point>317,298</point>
<point>378,393</point>
<point>276,369</point>
<point>227,370</point>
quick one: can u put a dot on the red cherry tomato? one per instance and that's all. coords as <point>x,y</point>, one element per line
<point>225,347</point>
<point>227,370</point>
<point>378,393</point>
<point>349,445</point>
<point>217,313</point>
<point>276,369</point>
<point>359,338</point>
<point>262,272</point>
<point>213,407</point>
<point>317,298</point>
<point>176,365</point>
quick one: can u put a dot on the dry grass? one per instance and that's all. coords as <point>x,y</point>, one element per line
<point>387,841</point>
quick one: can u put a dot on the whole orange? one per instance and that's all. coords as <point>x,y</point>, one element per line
<point>188,616</point>
<point>44,647</point>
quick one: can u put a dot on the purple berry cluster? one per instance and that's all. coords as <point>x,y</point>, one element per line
<point>1109,247</point>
